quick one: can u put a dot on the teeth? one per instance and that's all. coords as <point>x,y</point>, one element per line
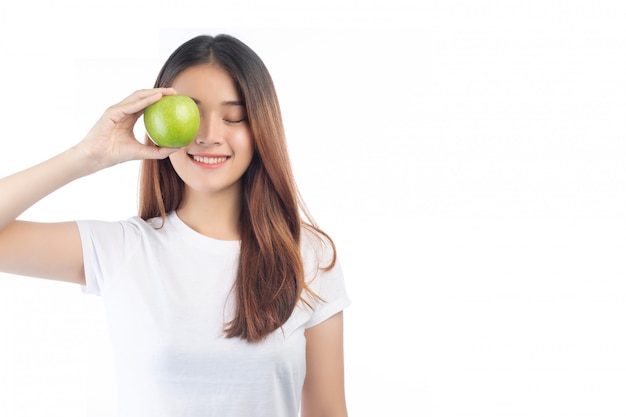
<point>209,161</point>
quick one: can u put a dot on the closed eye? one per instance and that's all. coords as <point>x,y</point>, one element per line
<point>231,121</point>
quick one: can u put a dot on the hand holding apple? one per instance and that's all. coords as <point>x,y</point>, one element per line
<point>111,140</point>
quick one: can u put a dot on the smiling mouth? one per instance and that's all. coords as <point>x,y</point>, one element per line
<point>209,160</point>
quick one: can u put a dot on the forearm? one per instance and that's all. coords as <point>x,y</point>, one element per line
<point>21,190</point>
<point>109,142</point>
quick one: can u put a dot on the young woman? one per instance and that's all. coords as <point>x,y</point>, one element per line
<point>223,298</point>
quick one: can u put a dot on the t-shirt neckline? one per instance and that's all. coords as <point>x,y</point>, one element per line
<point>185,229</point>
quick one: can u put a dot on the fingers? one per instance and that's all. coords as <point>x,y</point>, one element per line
<point>139,100</point>
<point>148,92</point>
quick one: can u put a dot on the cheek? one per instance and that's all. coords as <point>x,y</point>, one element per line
<point>177,159</point>
<point>243,144</point>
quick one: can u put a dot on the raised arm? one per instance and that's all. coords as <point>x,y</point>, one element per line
<point>53,250</point>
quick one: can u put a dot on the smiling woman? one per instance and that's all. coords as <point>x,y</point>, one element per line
<point>223,297</point>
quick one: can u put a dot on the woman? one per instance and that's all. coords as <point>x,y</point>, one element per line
<point>223,298</point>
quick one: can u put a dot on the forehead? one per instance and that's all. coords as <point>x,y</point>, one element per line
<point>204,81</point>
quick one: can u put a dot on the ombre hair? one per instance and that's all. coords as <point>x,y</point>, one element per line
<point>270,275</point>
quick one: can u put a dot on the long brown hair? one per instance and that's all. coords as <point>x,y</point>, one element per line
<point>270,276</point>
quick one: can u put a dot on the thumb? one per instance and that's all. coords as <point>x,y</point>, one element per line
<point>154,152</point>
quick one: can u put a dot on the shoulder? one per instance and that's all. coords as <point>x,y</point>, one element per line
<point>133,225</point>
<point>123,234</point>
<point>317,249</point>
<point>323,276</point>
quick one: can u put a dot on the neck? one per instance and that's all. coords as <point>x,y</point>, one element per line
<point>213,215</point>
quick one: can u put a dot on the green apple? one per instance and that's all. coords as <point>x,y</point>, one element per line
<point>173,121</point>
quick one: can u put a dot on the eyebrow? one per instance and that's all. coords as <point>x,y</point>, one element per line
<point>224,103</point>
<point>232,103</point>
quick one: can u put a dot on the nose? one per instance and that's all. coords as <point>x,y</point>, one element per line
<point>209,132</point>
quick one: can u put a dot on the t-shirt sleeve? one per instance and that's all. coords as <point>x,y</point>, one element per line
<point>328,285</point>
<point>105,248</point>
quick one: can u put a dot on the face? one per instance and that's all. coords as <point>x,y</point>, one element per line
<point>223,147</point>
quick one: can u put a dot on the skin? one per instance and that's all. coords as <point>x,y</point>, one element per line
<point>210,204</point>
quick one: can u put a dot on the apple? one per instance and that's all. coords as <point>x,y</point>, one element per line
<point>173,121</point>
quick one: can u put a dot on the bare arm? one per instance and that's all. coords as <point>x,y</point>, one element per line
<point>323,394</point>
<point>54,250</point>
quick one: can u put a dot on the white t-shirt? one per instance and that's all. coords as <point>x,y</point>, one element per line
<point>167,294</point>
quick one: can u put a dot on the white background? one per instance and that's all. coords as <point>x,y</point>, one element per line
<point>468,157</point>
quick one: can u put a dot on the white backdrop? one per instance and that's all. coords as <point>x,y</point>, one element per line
<point>467,157</point>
